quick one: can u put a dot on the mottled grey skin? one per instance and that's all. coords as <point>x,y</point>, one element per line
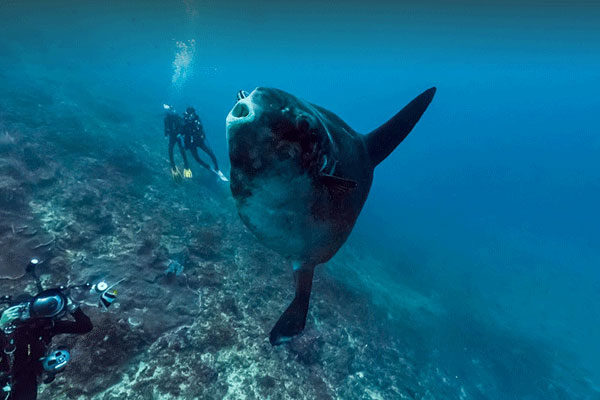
<point>300,177</point>
<point>303,220</point>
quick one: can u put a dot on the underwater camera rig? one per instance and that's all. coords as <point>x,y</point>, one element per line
<point>106,292</point>
<point>54,304</point>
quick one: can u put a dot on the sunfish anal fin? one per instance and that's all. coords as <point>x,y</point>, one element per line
<point>292,321</point>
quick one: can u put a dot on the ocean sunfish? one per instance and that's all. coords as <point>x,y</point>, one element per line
<point>300,176</point>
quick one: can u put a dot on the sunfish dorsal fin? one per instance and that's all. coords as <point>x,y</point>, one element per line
<point>383,140</point>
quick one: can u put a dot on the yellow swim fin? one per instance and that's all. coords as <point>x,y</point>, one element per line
<point>176,174</point>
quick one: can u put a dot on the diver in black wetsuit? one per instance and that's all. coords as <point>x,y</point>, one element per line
<point>188,134</point>
<point>195,137</point>
<point>26,332</point>
<point>174,130</point>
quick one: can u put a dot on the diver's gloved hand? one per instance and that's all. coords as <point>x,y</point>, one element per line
<point>221,176</point>
<point>9,315</point>
<point>176,174</point>
<point>71,305</point>
<point>187,173</point>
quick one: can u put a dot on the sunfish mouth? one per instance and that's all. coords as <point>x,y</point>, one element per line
<point>243,111</point>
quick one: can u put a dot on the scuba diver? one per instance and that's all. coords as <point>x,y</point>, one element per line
<point>26,331</point>
<point>195,137</point>
<point>174,130</point>
<point>190,128</point>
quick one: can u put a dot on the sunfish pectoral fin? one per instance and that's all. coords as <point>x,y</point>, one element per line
<point>383,140</point>
<point>336,184</point>
<point>292,321</point>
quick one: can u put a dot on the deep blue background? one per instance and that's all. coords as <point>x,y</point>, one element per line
<point>494,196</point>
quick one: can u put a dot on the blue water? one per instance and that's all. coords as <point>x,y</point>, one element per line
<point>490,205</point>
